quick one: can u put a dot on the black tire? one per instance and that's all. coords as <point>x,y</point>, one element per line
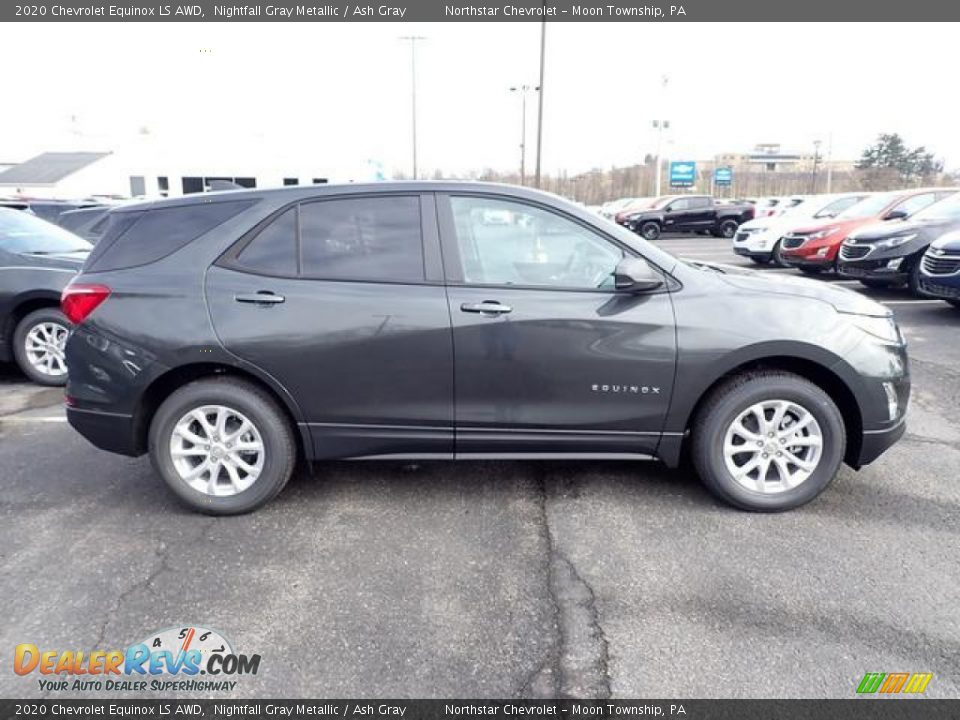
<point>650,230</point>
<point>777,255</point>
<point>810,270</point>
<point>728,228</point>
<point>48,316</point>
<point>955,303</point>
<point>876,284</point>
<point>913,280</point>
<point>731,399</point>
<point>760,260</point>
<point>280,448</point>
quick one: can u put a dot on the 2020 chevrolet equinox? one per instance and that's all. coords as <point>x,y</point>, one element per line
<point>229,334</point>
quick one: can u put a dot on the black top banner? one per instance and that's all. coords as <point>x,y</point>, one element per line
<point>488,11</point>
<point>259,709</point>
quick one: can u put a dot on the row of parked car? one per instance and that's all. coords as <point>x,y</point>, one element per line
<point>903,238</point>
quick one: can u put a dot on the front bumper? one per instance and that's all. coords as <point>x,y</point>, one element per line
<point>747,252</point>
<point>799,261</point>
<point>945,288</point>
<point>872,270</point>
<point>877,442</point>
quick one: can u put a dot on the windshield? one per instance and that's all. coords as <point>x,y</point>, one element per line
<point>21,232</point>
<point>868,207</point>
<point>946,209</point>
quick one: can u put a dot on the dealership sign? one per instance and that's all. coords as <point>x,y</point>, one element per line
<point>723,176</point>
<point>683,174</point>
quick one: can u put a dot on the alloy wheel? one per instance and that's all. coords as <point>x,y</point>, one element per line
<point>44,345</point>
<point>217,450</point>
<point>773,446</point>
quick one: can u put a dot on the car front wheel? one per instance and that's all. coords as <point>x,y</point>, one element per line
<point>768,441</point>
<point>222,445</point>
<point>38,344</point>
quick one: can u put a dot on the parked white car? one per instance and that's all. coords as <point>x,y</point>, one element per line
<point>759,239</point>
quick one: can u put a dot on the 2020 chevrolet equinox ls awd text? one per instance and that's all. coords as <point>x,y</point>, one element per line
<point>229,334</point>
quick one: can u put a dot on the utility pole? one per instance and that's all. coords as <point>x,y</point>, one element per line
<point>523,90</point>
<point>829,162</point>
<point>543,47</point>
<point>412,39</point>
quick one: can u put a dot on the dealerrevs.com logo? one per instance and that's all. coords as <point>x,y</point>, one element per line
<point>189,658</point>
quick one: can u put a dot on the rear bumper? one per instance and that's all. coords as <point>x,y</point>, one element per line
<point>108,431</point>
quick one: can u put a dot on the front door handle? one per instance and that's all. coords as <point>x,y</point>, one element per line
<point>487,307</point>
<point>263,297</point>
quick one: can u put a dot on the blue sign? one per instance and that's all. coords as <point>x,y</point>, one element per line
<point>683,174</point>
<point>723,176</point>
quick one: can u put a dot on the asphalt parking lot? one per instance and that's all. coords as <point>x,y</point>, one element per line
<point>504,579</point>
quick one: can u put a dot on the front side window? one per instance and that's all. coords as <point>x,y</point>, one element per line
<point>681,204</point>
<point>916,203</point>
<point>508,243</point>
<point>367,239</point>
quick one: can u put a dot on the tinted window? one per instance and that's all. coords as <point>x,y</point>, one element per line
<point>700,202</point>
<point>375,238</point>
<point>274,249</point>
<point>681,204</point>
<point>157,232</point>
<point>838,206</point>
<point>508,243</point>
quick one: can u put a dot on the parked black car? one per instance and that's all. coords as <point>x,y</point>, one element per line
<point>689,213</point>
<point>37,260</point>
<point>89,223</point>
<point>940,269</point>
<point>229,334</point>
<point>889,254</point>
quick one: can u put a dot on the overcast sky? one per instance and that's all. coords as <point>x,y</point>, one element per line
<point>340,93</point>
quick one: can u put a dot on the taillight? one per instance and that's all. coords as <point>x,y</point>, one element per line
<point>80,299</point>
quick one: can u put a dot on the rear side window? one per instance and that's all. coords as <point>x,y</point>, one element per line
<point>153,234</point>
<point>274,249</point>
<point>371,238</point>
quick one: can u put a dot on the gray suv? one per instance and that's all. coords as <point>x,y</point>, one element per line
<point>229,334</point>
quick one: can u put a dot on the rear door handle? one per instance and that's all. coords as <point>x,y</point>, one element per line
<point>487,307</point>
<point>263,297</point>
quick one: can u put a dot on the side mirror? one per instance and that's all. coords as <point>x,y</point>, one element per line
<point>636,275</point>
<point>897,214</point>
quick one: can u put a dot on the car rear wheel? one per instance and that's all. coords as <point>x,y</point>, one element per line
<point>728,228</point>
<point>650,230</point>
<point>222,445</point>
<point>38,343</point>
<point>768,441</point>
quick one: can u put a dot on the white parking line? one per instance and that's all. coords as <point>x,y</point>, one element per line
<point>911,302</point>
<point>24,420</point>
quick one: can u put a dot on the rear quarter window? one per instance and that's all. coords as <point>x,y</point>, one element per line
<point>139,238</point>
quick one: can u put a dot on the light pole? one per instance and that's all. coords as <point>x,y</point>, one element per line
<point>412,39</point>
<point>543,48</point>
<point>660,125</point>
<point>816,161</point>
<point>523,90</point>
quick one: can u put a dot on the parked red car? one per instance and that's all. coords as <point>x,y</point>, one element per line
<point>814,248</point>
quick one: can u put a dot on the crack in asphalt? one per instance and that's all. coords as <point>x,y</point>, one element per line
<point>579,663</point>
<point>162,552</point>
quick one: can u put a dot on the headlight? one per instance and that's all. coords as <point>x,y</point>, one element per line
<point>822,234</point>
<point>895,241</point>
<point>883,328</point>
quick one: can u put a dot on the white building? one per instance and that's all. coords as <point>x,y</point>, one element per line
<point>144,170</point>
